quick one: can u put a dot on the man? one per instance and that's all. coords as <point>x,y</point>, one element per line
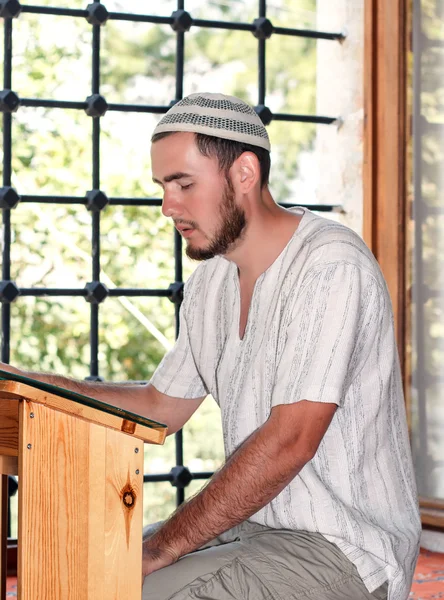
<point>288,324</point>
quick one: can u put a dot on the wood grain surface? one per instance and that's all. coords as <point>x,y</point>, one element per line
<point>77,539</point>
<point>385,148</point>
<point>8,465</point>
<point>123,516</point>
<point>9,424</point>
<point>23,391</point>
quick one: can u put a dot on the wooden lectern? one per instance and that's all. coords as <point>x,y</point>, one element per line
<point>80,468</point>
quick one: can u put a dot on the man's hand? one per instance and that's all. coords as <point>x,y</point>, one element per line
<point>154,558</point>
<point>253,475</point>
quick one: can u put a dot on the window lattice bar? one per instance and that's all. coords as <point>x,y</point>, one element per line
<point>95,200</point>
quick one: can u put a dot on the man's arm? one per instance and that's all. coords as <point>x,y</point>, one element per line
<point>255,474</point>
<point>143,400</point>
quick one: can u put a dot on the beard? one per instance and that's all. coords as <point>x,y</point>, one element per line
<point>231,229</point>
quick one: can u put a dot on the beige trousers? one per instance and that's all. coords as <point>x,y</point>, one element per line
<point>252,562</point>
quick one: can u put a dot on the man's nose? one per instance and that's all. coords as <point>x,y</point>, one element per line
<point>170,204</point>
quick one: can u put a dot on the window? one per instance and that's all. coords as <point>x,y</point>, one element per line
<point>92,273</point>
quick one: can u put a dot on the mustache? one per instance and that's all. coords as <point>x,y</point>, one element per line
<point>191,224</point>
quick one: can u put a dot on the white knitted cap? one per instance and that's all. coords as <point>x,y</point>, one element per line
<point>216,115</point>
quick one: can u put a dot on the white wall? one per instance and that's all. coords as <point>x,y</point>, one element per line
<point>340,76</point>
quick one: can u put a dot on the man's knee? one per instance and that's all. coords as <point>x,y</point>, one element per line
<point>183,580</point>
<point>174,582</point>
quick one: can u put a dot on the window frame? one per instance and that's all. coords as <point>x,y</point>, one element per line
<point>387,173</point>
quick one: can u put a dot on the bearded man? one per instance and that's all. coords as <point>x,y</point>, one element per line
<point>287,323</point>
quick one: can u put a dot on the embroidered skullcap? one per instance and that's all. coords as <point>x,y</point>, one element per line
<point>216,115</point>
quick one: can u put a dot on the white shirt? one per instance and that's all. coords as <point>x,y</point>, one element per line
<point>320,328</point>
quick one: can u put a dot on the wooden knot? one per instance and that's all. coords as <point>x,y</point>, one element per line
<point>128,497</point>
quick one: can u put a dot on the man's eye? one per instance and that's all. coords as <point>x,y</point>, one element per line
<point>186,187</point>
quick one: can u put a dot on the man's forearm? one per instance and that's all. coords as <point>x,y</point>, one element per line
<point>128,396</point>
<point>141,399</point>
<point>256,473</point>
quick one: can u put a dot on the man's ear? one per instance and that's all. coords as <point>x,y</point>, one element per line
<point>246,171</point>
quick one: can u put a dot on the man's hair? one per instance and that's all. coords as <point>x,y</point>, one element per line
<point>226,151</point>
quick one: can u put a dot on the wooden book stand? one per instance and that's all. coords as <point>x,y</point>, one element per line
<point>80,468</point>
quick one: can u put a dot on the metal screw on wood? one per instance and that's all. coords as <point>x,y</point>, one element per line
<point>136,450</point>
<point>137,471</point>
<point>29,446</point>
<point>31,415</point>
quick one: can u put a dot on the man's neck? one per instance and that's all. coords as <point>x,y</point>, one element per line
<point>269,229</point>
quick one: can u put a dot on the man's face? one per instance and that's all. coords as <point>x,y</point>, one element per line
<point>197,196</point>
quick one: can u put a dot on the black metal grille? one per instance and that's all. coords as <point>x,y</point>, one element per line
<point>95,292</point>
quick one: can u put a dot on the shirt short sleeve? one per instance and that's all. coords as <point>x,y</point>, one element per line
<point>333,325</point>
<point>177,374</point>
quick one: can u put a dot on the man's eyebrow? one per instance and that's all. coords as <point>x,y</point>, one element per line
<point>172,177</point>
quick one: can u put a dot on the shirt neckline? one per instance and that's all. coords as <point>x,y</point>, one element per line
<point>277,260</point>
